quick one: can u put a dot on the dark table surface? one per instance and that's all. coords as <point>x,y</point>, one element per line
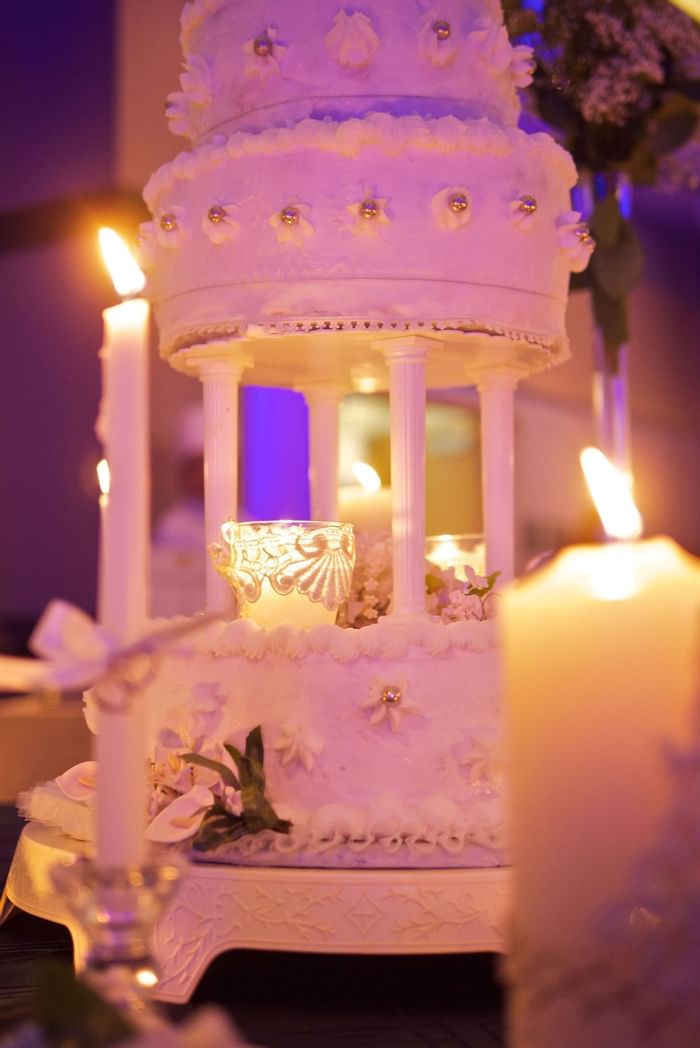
<point>282,1000</point>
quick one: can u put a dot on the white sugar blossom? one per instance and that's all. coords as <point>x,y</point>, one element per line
<point>491,47</point>
<point>220,222</point>
<point>522,65</point>
<point>291,224</point>
<point>184,107</point>
<point>438,51</point>
<point>574,239</point>
<point>482,756</point>
<point>352,41</point>
<point>295,744</point>
<point>387,700</point>
<point>452,207</point>
<point>79,783</point>
<point>267,64</point>
<point>368,215</point>
<point>181,818</point>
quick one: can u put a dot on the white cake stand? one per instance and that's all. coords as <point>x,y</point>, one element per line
<point>219,908</point>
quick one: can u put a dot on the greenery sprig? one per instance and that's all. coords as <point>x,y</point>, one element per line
<point>223,826</point>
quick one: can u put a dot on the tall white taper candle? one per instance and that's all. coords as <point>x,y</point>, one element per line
<point>125,515</point>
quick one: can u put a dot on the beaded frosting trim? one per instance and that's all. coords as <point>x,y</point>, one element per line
<point>252,330</point>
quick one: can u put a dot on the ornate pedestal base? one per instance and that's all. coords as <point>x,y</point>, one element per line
<point>219,908</point>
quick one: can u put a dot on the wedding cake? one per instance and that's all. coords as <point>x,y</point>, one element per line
<point>357,173</point>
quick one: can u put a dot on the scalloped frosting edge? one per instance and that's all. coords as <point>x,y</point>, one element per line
<point>392,135</point>
<point>389,638</point>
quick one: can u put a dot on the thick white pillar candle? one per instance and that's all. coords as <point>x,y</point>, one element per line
<point>406,359</point>
<point>219,370</point>
<point>601,662</point>
<point>369,511</point>
<point>323,402</point>
<point>496,393</point>
<point>125,543</point>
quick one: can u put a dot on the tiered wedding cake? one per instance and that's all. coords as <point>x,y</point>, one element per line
<point>359,208</point>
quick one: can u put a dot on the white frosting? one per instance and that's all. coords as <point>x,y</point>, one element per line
<point>423,264</point>
<point>327,60</point>
<point>355,774</point>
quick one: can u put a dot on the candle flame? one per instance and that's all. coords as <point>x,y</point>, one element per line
<point>611,491</point>
<point>367,477</point>
<point>127,277</point>
<point>103,476</point>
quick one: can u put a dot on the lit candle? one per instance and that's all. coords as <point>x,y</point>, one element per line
<point>366,504</point>
<point>600,664</point>
<point>287,571</point>
<point>124,432</point>
<point>125,515</point>
<point>458,552</point>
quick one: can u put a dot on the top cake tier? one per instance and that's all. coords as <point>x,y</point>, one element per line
<point>254,64</point>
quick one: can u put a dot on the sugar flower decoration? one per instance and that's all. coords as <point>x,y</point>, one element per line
<point>491,47</point>
<point>436,40</point>
<point>184,107</point>
<point>295,744</point>
<point>387,700</point>
<point>368,215</point>
<point>79,783</point>
<point>170,226</point>
<point>522,64</point>
<point>352,41</point>
<point>452,207</point>
<point>263,55</point>
<point>575,240</point>
<point>182,817</point>
<point>291,224</point>
<point>482,756</point>
<point>220,222</point>
<point>523,212</point>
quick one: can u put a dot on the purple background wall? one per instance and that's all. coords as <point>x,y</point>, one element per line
<point>56,82</point>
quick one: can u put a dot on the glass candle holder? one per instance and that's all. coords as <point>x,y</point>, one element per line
<point>296,571</point>
<point>458,552</point>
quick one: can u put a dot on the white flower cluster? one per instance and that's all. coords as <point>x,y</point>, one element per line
<point>447,598</point>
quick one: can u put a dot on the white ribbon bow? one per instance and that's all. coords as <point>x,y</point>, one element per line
<point>74,652</point>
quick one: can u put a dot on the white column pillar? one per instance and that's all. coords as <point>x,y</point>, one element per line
<point>323,402</point>
<point>496,392</point>
<point>219,370</point>
<point>406,359</point>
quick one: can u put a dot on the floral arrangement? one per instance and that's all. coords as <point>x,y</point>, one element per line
<point>620,81</point>
<point>202,797</point>
<point>448,598</point>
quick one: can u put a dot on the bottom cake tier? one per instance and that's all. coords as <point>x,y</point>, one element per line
<point>382,746</point>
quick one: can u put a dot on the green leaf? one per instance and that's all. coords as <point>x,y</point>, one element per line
<point>611,316</point>
<point>222,770</point>
<point>433,583</point>
<point>672,131</point>
<point>72,1014</point>
<point>606,220</point>
<point>618,268</point>
<point>254,747</point>
<point>250,772</point>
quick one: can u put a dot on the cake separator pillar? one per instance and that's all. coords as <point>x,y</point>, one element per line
<point>219,366</point>
<point>323,401</point>
<point>406,359</point>
<point>496,394</point>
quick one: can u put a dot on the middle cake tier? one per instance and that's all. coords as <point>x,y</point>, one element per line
<point>362,226</point>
